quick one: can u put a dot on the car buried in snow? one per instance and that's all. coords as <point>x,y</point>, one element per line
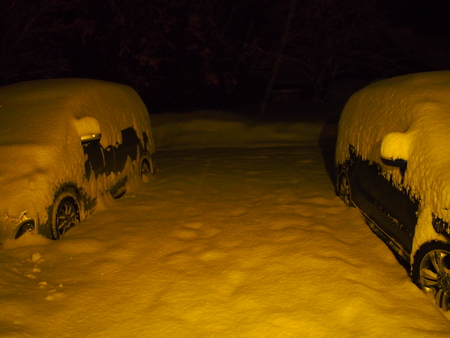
<point>393,164</point>
<point>64,143</point>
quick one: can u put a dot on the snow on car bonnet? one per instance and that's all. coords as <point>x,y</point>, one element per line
<point>404,117</point>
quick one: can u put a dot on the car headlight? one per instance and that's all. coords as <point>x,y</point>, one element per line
<point>26,224</point>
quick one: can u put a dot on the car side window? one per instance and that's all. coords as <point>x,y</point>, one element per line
<point>128,148</point>
<point>92,148</point>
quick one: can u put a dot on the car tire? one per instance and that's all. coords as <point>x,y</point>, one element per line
<point>343,189</point>
<point>147,168</point>
<point>431,272</point>
<point>66,214</point>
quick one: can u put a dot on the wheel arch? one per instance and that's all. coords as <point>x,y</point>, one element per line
<point>146,157</point>
<point>430,271</point>
<point>78,195</point>
<point>84,202</point>
<point>342,174</point>
<point>419,254</point>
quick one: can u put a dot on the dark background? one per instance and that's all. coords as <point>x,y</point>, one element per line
<point>184,55</point>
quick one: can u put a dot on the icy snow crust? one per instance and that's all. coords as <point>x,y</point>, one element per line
<point>412,113</point>
<point>41,123</point>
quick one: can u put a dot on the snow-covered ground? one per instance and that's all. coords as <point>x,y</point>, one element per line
<point>239,234</point>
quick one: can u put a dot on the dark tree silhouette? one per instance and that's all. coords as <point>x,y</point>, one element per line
<point>187,53</point>
<point>27,41</point>
<point>333,37</point>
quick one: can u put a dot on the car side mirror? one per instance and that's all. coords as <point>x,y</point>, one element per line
<point>88,129</point>
<point>399,162</point>
<point>90,138</point>
<point>395,148</point>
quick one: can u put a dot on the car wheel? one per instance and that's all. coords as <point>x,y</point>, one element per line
<point>66,214</point>
<point>343,189</point>
<point>431,272</point>
<point>147,168</point>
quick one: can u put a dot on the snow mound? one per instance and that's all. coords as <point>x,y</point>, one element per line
<point>26,240</point>
<point>211,128</point>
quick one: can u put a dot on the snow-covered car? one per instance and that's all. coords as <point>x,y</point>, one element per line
<point>64,143</point>
<point>393,164</point>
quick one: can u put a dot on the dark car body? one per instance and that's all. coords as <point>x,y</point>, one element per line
<point>391,211</point>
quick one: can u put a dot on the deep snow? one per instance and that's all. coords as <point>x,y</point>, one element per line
<point>243,240</point>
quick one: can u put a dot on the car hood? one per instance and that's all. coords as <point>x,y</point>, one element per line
<point>30,173</point>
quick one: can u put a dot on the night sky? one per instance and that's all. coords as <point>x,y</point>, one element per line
<point>425,17</point>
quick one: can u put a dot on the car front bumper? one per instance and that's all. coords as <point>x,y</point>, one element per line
<point>16,226</point>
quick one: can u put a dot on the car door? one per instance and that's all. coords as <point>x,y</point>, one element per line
<point>123,151</point>
<point>368,189</point>
<point>128,148</point>
<point>94,163</point>
<point>110,160</point>
<point>401,208</point>
<point>390,208</point>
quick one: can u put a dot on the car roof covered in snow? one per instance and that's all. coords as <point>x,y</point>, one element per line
<point>411,114</point>
<point>400,104</point>
<point>44,111</point>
